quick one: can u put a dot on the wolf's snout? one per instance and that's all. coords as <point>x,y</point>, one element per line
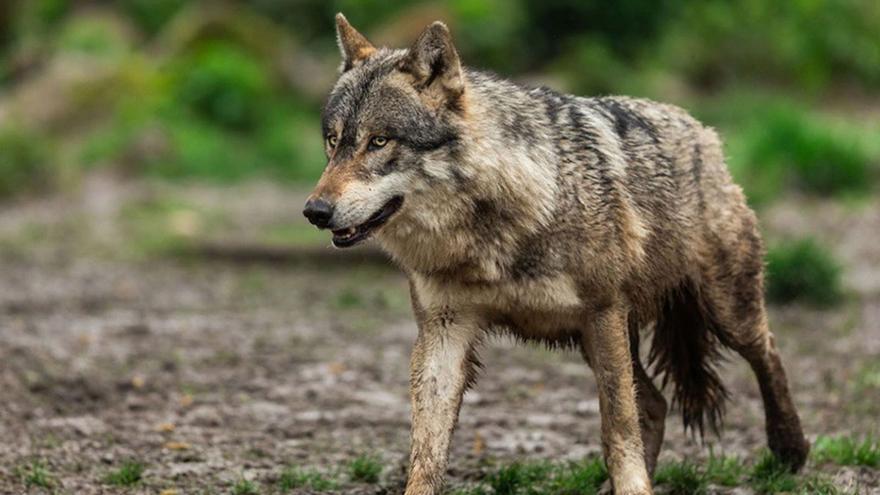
<point>319,212</point>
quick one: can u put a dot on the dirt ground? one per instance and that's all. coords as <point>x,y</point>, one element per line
<point>209,371</point>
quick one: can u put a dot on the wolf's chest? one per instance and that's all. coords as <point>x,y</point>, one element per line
<point>545,295</point>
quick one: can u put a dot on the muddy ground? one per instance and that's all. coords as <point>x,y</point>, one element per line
<point>119,342</point>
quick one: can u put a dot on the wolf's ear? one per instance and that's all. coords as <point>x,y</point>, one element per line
<point>354,46</point>
<point>434,65</point>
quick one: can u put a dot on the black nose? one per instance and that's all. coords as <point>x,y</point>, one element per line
<point>319,212</point>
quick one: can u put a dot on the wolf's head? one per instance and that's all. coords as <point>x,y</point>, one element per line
<point>391,127</point>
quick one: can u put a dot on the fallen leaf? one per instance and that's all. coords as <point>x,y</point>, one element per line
<point>138,382</point>
<point>479,444</point>
<point>169,491</point>
<point>165,427</point>
<point>177,446</point>
<point>186,400</point>
<point>336,368</point>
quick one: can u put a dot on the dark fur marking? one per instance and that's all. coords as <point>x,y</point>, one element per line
<point>697,171</point>
<point>387,167</point>
<point>459,178</point>
<point>530,260</point>
<point>489,219</point>
<point>554,102</point>
<point>444,138</point>
<point>517,126</point>
<point>473,366</point>
<point>625,119</point>
<point>446,317</point>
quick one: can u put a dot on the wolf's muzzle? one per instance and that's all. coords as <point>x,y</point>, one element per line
<point>319,212</point>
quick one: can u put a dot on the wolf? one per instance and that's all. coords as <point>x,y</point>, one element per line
<point>578,222</point>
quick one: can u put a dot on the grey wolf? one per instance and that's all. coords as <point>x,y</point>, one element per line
<point>579,222</point>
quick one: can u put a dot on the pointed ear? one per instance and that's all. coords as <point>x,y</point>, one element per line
<point>434,65</point>
<point>354,46</point>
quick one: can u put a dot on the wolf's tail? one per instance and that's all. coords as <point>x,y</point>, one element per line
<point>685,349</point>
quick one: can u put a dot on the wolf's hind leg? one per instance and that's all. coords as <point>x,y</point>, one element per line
<point>734,292</point>
<point>652,409</point>
<point>784,434</point>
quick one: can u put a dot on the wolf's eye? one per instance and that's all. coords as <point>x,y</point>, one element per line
<point>332,141</point>
<point>378,142</point>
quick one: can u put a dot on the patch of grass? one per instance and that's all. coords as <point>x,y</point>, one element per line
<point>36,474</point>
<point>167,226</point>
<point>245,487</point>
<point>518,478</point>
<point>868,377</point>
<point>803,271</point>
<point>770,475</point>
<point>292,478</point>
<point>819,485</point>
<point>349,298</point>
<point>365,468</point>
<point>686,477</point>
<point>724,470</point>
<point>846,451</point>
<point>681,478</point>
<point>470,490</point>
<point>579,478</point>
<point>537,478</point>
<point>129,474</point>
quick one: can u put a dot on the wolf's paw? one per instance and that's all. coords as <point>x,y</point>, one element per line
<point>608,489</point>
<point>791,451</point>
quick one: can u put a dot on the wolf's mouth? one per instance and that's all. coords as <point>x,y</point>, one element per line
<point>343,238</point>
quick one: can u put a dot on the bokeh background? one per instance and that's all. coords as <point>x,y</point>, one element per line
<point>169,322</point>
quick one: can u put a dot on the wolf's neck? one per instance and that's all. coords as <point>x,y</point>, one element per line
<point>475,226</point>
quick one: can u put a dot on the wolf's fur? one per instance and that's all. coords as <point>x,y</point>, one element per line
<point>572,221</point>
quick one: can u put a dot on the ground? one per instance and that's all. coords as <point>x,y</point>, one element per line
<point>140,324</point>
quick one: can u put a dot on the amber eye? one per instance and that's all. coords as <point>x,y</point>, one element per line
<point>332,141</point>
<point>378,141</point>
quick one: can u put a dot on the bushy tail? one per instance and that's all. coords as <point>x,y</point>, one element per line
<point>684,351</point>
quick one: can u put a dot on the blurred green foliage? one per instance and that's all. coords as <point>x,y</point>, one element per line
<point>25,163</point>
<point>803,271</point>
<point>151,15</point>
<point>224,84</point>
<point>783,147</point>
<point>805,42</point>
<point>182,90</point>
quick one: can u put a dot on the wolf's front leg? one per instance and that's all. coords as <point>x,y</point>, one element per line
<point>443,364</point>
<point>606,345</point>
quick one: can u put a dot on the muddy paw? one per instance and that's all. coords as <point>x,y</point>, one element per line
<point>792,453</point>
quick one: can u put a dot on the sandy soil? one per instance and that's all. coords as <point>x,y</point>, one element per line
<point>213,371</point>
